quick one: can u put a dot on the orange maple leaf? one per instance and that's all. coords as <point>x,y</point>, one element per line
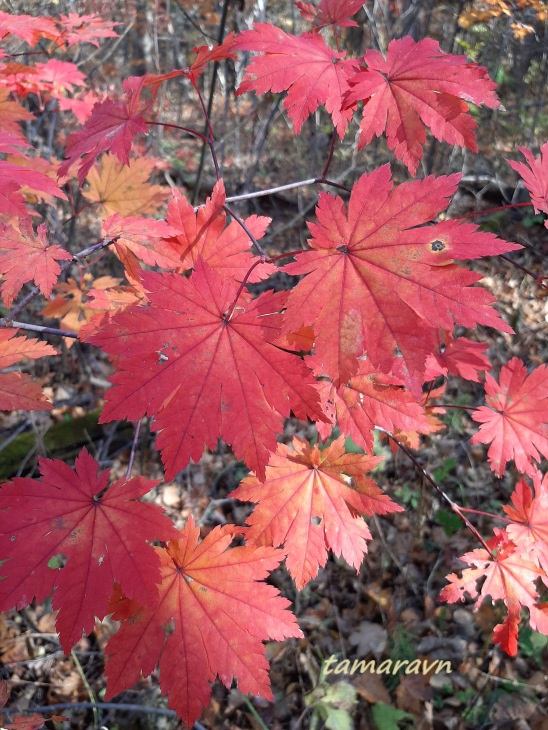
<point>17,390</point>
<point>124,189</point>
<point>307,505</point>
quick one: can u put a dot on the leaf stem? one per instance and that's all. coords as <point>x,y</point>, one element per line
<point>475,213</point>
<point>454,506</point>
<point>192,132</point>
<point>232,307</point>
<point>486,514</point>
<point>241,223</point>
<point>538,279</point>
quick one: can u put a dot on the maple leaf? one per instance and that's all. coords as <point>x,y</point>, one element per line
<point>81,105</point>
<point>26,27</point>
<point>418,86</point>
<point>72,304</point>
<point>367,400</point>
<point>102,533</point>
<point>202,234</point>
<point>17,390</point>
<point>304,66</point>
<point>220,611</point>
<point>330,12</point>
<point>124,189</point>
<point>11,113</point>
<point>15,176</point>
<point>84,29</point>
<point>60,76</point>
<point>26,256</point>
<point>459,356</point>
<point>508,576</point>
<point>112,126</point>
<point>381,282</point>
<point>307,505</point>
<point>144,237</point>
<point>204,55</point>
<point>202,375</point>
<point>535,176</point>
<point>411,438</point>
<point>529,515</point>
<point>515,417</point>
<point>38,164</point>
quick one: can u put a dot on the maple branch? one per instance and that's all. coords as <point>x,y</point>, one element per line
<point>271,191</point>
<point>330,155</point>
<point>39,328</point>
<point>122,706</point>
<point>454,506</point>
<point>246,229</point>
<point>14,311</point>
<point>211,140</point>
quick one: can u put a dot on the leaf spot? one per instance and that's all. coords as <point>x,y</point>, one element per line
<point>438,246</point>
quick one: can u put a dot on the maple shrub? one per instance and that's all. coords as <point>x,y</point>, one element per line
<point>358,344</point>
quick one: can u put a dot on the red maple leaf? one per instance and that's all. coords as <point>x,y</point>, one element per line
<point>205,55</point>
<point>307,505</point>
<point>102,533</point>
<point>459,356</point>
<point>84,29</point>
<point>60,76</point>
<point>28,256</point>
<point>26,27</point>
<point>202,234</point>
<point>204,375</point>
<point>15,176</point>
<point>220,612</point>
<point>330,12</point>
<point>143,237</point>
<point>535,176</point>
<point>17,390</point>
<point>508,576</point>
<point>381,282</point>
<point>418,86</point>
<point>515,417</point>
<point>367,400</point>
<point>304,66</point>
<point>112,126</point>
<point>529,515</point>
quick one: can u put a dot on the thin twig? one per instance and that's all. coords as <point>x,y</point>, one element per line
<point>133,447</point>
<point>122,706</point>
<point>87,685</point>
<point>454,506</point>
<point>271,191</point>
<point>40,328</point>
<point>538,279</point>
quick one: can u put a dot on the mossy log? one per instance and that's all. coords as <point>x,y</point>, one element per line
<point>62,441</point>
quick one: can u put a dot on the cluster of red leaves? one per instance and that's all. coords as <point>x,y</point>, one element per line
<point>371,320</point>
<point>515,559</point>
